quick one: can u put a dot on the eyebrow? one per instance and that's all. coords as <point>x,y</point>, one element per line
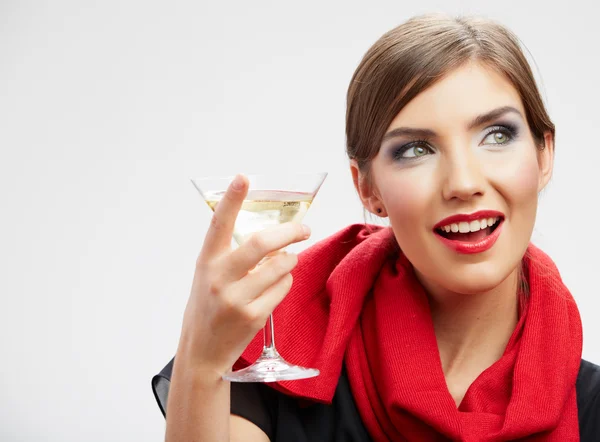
<point>476,122</point>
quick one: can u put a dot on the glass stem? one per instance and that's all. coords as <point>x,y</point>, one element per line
<point>269,350</point>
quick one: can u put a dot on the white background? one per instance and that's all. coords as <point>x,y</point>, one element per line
<point>107,108</point>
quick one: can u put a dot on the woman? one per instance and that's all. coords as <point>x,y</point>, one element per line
<point>449,325</point>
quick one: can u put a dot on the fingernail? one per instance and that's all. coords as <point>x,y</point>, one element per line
<point>306,230</point>
<point>237,183</point>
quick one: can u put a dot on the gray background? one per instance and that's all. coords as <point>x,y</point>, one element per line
<point>106,110</point>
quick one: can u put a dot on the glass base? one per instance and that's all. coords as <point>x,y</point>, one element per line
<point>271,368</point>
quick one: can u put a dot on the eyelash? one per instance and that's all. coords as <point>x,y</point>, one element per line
<point>505,128</point>
<point>405,147</point>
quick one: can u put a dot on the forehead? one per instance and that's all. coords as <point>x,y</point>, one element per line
<point>470,90</point>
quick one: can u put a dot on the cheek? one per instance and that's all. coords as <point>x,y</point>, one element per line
<point>517,178</point>
<point>407,197</point>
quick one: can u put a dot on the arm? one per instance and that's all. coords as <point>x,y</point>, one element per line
<point>198,405</point>
<point>198,409</point>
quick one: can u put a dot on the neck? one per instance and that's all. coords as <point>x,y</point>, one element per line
<point>472,330</point>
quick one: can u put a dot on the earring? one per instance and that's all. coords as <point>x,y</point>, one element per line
<point>379,210</point>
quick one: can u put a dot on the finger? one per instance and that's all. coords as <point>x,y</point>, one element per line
<point>261,244</point>
<point>220,231</point>
<point>264,305</point>
<point>259,281</point>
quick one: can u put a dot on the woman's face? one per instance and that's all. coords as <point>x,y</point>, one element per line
<point>441,162</point>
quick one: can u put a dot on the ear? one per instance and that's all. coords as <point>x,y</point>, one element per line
<point>546,160</point>
<point>366,191</point>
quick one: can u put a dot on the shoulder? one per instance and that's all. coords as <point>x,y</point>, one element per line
<point>588,383</point>
<point>588,400</point>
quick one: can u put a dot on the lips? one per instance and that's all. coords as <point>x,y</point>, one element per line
<point>470,233</point>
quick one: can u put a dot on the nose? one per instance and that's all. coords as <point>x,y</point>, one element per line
<point>463,177</point>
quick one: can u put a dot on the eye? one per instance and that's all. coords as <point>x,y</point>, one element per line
<point>499,136</point>
<point>415,151</point>
<point>412,151</point>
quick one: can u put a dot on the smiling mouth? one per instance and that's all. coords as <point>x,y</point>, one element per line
<point>472,232</point>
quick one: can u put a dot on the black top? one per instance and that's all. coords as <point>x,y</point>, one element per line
<point>284,420</point>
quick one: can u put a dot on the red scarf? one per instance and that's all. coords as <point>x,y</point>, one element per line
<point>355,300</point>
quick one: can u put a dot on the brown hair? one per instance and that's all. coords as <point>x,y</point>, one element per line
<point>413,56</point>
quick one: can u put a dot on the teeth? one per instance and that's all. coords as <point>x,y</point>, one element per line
<point>473,226</point>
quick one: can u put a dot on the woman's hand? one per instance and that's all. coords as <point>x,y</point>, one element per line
<point>229,303</point>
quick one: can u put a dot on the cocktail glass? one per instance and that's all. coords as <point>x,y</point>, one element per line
<point>272,199</point>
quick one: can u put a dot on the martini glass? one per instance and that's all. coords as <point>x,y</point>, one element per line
<point>272,199</point>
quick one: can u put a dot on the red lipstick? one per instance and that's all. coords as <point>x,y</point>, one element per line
<point>470,247</point>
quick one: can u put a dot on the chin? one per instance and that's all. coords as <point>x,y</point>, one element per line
<point>473,279</point>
